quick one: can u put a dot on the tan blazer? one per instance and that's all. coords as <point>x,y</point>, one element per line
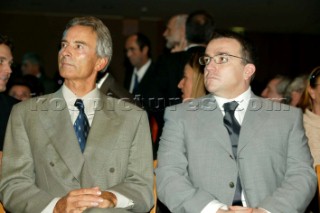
<point>196,163</point>
<point>42,159</point>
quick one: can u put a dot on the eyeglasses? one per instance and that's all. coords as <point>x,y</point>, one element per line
<point>218,59</point>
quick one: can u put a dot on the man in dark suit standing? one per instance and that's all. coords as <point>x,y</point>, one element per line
<point>141,77</point>
<point>200,27</point>
<point>6,102</point>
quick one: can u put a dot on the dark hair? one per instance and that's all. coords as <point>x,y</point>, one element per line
<point>30,81</point>
<point>200,27</point>
<point>248,51</point>
<point>33,57</point>
<point>7,41</point>
<point>143,41</point>
<point>315,74</point>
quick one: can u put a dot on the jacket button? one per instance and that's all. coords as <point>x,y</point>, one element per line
<point>111,170</point>
<point>51,164</point>
<point>231,156</point>
<point>231,184</point>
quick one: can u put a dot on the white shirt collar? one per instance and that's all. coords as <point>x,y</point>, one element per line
<point>243,100</point>
<point>140,73</point>
<point>89,101</point>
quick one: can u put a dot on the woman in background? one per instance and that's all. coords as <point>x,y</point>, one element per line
<point>192,82</point>
<point>310,104</point>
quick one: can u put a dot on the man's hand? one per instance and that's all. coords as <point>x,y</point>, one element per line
<point>79,200</point>
<point>109,200</point>
<point>245,209</point>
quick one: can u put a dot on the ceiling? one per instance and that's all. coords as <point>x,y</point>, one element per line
<point>280,16</point>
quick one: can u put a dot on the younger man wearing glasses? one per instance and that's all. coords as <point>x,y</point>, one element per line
<point>234,151</point>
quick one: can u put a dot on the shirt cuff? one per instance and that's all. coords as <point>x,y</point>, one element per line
<point>213,207</point>
<point>49,208</point>
<point>122,201</point>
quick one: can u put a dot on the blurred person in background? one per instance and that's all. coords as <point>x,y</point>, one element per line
<point>32,64</point>
<point>276,88</point>
<point>6,102</point>
<point>175,33</point>
<point>295,90</point>
<point>310,104</point>
<point>192,83</point>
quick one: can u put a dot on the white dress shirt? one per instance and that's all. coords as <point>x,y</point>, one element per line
<point>89,101</point>
<point>140,73</point>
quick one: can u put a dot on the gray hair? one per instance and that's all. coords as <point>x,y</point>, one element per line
<point>283,84</point>
<point>104,41</point>
<point>298,84</point>
<point>181,20</point>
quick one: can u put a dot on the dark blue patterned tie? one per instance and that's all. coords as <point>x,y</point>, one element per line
<point>81,125</point>
<point>233,127</point>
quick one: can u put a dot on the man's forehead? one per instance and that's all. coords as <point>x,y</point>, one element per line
<point>5,52</point>
<point>223,45</point>
<point>78,31</point>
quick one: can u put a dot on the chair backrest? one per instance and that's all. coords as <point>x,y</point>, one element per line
<point>1,208</point>
<point>155,197</point>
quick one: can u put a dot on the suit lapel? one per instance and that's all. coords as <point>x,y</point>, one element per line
<point>103,133</point>
<point>252,122</point>
<point>215,119</point>
<point>59,127</point>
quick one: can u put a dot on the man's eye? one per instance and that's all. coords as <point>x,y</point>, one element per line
<point>1,61</point>
<point>223,59</point>
<point>63,45</point>
<point>79,46</point>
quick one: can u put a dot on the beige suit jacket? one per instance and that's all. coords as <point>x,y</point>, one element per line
<point>42,159</point>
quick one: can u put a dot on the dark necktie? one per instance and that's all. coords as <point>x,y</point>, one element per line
<point>135,84</point>
<point>233,128</point>
<point>81,125</point>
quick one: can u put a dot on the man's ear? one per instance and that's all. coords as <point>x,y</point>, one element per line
<point>249,70</point>
<point>101,63</point>
<point>145,50</point>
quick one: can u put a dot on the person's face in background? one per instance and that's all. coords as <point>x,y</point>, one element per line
<point>29,68</point>
<point>271,90</point>
<point>6,60</point>
<point>315,92</point>
<point>137,57</point>
<point>295,97</point>
<point>20,92</point>
<point>186,83</point>
<point>172,34</point>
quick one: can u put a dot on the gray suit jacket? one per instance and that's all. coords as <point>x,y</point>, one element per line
<point>42,159</point>
<point>196,164</point>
